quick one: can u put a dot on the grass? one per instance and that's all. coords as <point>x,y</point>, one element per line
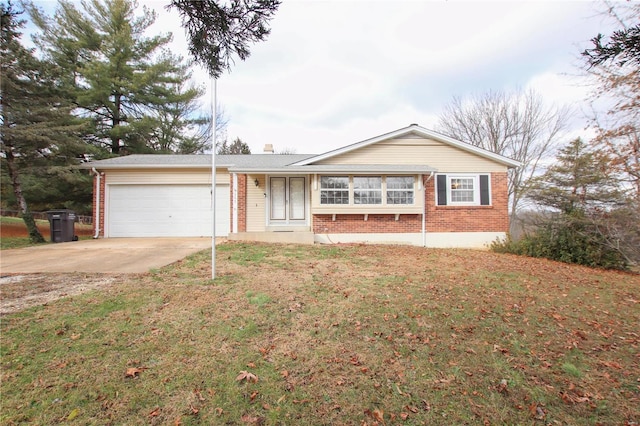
<point>13,232</point>
<point>9,241</point>
<point>333,335</point>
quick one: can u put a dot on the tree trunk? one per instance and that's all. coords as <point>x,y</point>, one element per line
<point>34,234</point>
<point>115,122</point>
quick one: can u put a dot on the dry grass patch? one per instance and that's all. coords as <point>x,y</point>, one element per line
<point>333,335</point>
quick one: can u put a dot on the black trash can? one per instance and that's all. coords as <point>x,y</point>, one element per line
<point>62,224</point>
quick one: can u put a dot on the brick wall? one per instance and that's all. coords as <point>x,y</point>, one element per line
<point>375,223</point>
<point>493,218</point>
<point>95,193</point>
<point>242,202</point>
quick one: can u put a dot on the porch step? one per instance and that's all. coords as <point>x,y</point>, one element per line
<point>286,237</point>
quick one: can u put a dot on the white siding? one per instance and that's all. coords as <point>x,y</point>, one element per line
<point>160,176</point>
<point>256,204</point>
<point>441,156</point>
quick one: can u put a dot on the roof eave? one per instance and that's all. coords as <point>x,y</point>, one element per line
<point>414,128</point>
<point>308,170</point>
<point>151,166</point>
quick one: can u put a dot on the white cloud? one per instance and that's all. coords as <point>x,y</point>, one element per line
<point>336,72</point>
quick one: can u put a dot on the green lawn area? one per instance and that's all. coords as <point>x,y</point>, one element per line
<point>333,335</point>
<point>13,232</point>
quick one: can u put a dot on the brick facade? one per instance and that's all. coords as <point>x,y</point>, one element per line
<point>493,218</point>
<point>375,223</point>
<point>242,202</point>
<point>100,225</point>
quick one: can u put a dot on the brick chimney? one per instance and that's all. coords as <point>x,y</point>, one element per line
<point>268,148</point>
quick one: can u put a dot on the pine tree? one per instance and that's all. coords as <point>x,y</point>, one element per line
<point>36,125</point>
<point>178,126</point>
<point>615,63</point>
<point>580,180</point>
<point>583,197</point>
<point>219,30</point>
<point>122,79</point>
<point>236,147</point>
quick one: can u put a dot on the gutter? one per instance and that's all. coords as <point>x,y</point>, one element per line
<point>97,175</point>
<point>424,211</point>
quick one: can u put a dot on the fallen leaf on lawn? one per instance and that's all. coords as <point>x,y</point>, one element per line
<point>248,418</point>
<point>253,395</point>
<point>219,411</point>
<point>249,377</point>
<point>571,398</point>
<point>199,395</point>
<point>378,414</point>
<point>611,364</point>
<point>133,372</point>
<point>251,365</point>
<point>73,414</point>
<point>155,412</point>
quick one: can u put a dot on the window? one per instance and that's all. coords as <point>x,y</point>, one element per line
<point>400,189</point>
<point>334,190</point>
<point>367,190</point>
<point>463,190</point>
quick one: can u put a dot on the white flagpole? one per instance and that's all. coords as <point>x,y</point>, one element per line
<point>213,177</point>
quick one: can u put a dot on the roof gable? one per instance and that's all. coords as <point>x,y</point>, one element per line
<point>412,131</point>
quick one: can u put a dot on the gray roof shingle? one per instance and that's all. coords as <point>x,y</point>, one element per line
<point>196,161</point>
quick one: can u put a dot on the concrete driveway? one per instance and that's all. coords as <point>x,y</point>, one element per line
<point>109,255</point>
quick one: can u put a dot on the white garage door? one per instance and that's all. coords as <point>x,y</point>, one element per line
<point>166,211</point>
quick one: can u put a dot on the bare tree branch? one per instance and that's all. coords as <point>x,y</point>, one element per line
<point>517,125</point>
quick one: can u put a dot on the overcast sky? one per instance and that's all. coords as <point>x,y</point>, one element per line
<point>336,72</point>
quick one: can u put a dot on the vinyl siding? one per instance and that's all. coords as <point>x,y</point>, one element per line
<point>255,204</point>
<point>443,157</point>
<point>161,176</point>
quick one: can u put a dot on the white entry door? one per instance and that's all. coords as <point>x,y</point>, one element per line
<point>288,204</point>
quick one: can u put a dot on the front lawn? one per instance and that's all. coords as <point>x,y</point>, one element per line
<point>323,335</point>
<point>13,232</point>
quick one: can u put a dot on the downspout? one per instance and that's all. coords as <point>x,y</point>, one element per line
<point>234,227</point>
<point>97,175</point>
<point>424,211</point>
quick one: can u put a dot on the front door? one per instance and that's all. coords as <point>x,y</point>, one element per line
<point>288,204</point>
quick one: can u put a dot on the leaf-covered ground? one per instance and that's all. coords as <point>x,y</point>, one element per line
<point>335,335</point>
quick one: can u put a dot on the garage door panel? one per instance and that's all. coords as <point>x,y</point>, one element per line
<point>165,210</point>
